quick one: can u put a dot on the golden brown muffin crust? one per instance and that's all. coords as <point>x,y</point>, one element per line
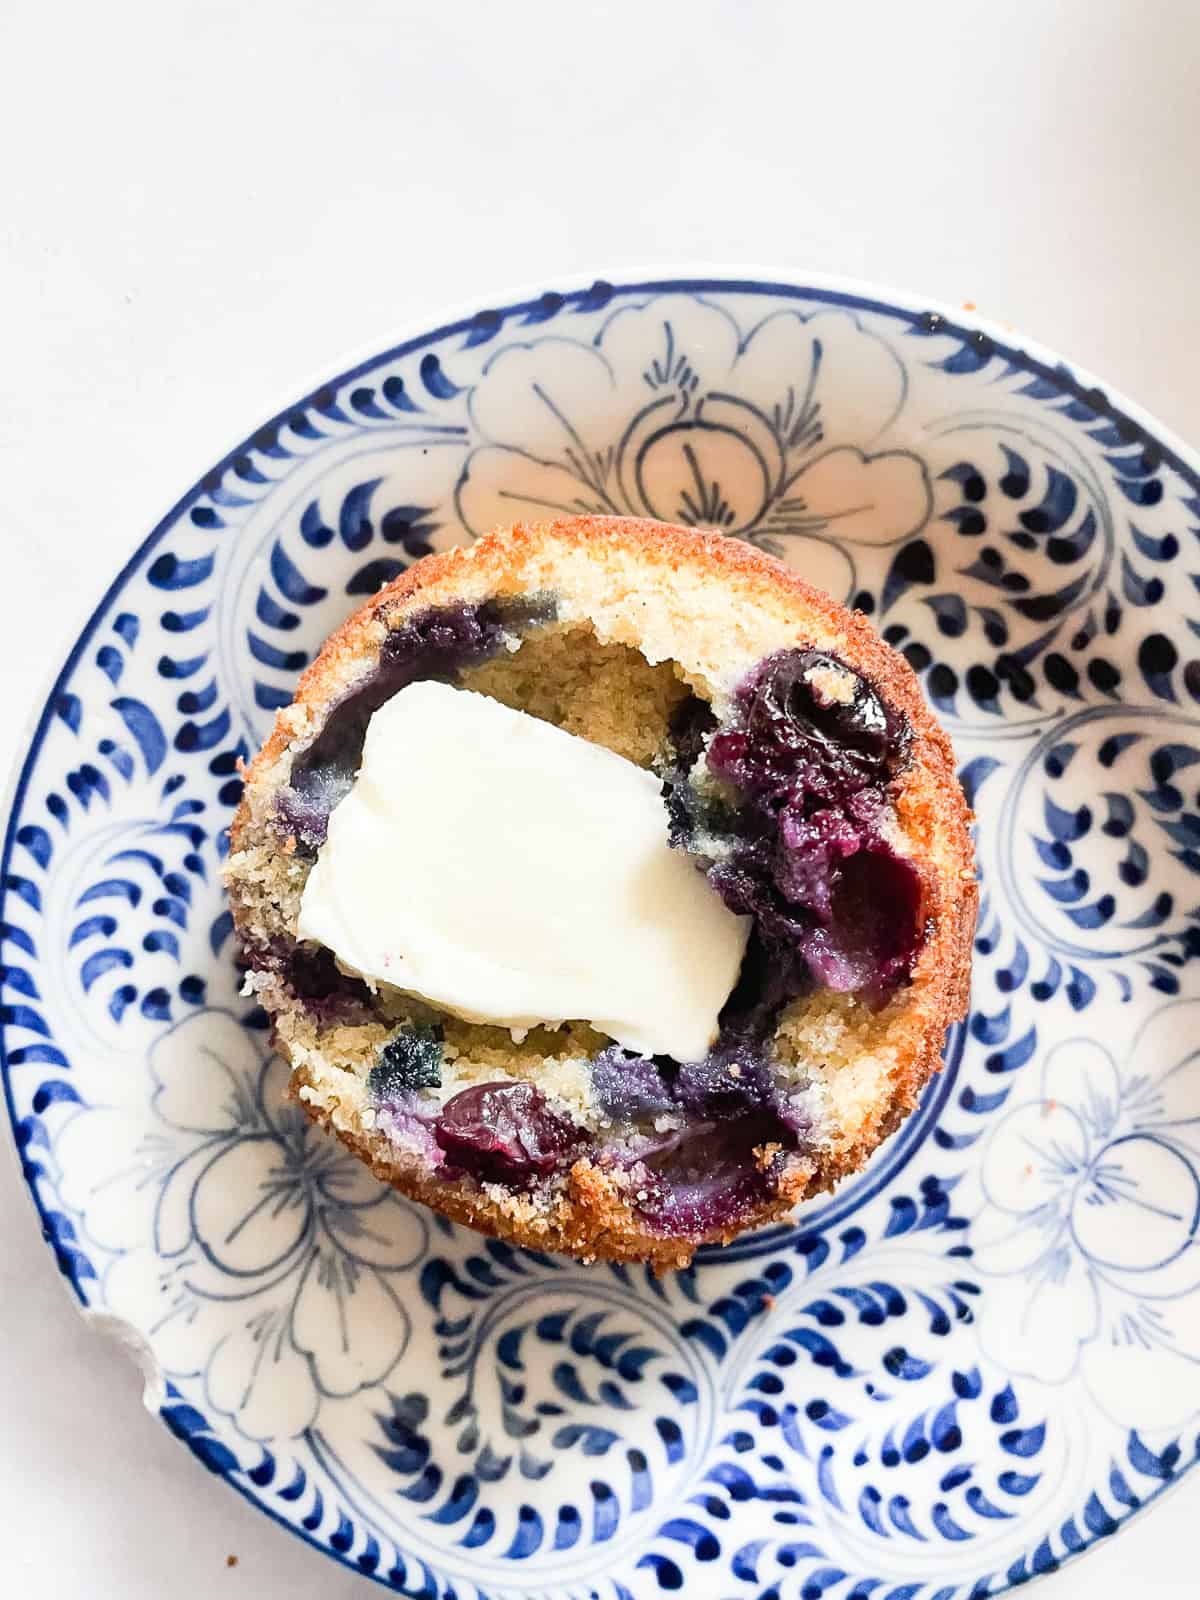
<point>592,1217</point>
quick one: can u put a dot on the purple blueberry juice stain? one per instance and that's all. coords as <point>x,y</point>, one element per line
<point>330,995</point>
<point>406,1123</point>
<point>702,1174</point>
<point>732,1081</point>
<point>628,1088</point>
<point>436,644</point>
<point>708,1179</point>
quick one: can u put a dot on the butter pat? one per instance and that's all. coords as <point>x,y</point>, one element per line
<point>511,873</point>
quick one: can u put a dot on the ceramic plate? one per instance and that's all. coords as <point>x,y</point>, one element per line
<point>974,1361</point>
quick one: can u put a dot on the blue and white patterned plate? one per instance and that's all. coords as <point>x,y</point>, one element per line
<point>978,1358</point>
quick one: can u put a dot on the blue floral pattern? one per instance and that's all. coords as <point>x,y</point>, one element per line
<point>1092,1202</point>
<point>277,1263</point>
<point>779,434</point>
<point>975,1360</point>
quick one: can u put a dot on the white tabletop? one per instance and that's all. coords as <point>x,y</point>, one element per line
<point>206,205</point>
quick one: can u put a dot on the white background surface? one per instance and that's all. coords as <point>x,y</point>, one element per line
<point>204,206</point>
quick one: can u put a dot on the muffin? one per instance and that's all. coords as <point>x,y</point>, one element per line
<point>760,1021</point>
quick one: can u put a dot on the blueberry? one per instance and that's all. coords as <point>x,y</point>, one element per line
<point>801,692</point>
<point>505,1133</point>
<point>409,1061</point>
<point>809,753</point>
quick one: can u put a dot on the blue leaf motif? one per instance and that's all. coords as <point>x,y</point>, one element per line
<point>313,530</point>
<point>435,380</point>
<point>1024,1442</point>
<point>146,730</point>
<point>292,583</point>
<point>354,521</point>
<point>168,571</point>
<point>595,1440</point>
<point>270,656</point>
<point>372,577</point>
<point>1151,1464</point>
<point>975,774</point>
<point>102,962</point>
<point>1066,826</point>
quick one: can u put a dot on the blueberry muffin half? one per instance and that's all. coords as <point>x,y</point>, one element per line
<point>609,888</point>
